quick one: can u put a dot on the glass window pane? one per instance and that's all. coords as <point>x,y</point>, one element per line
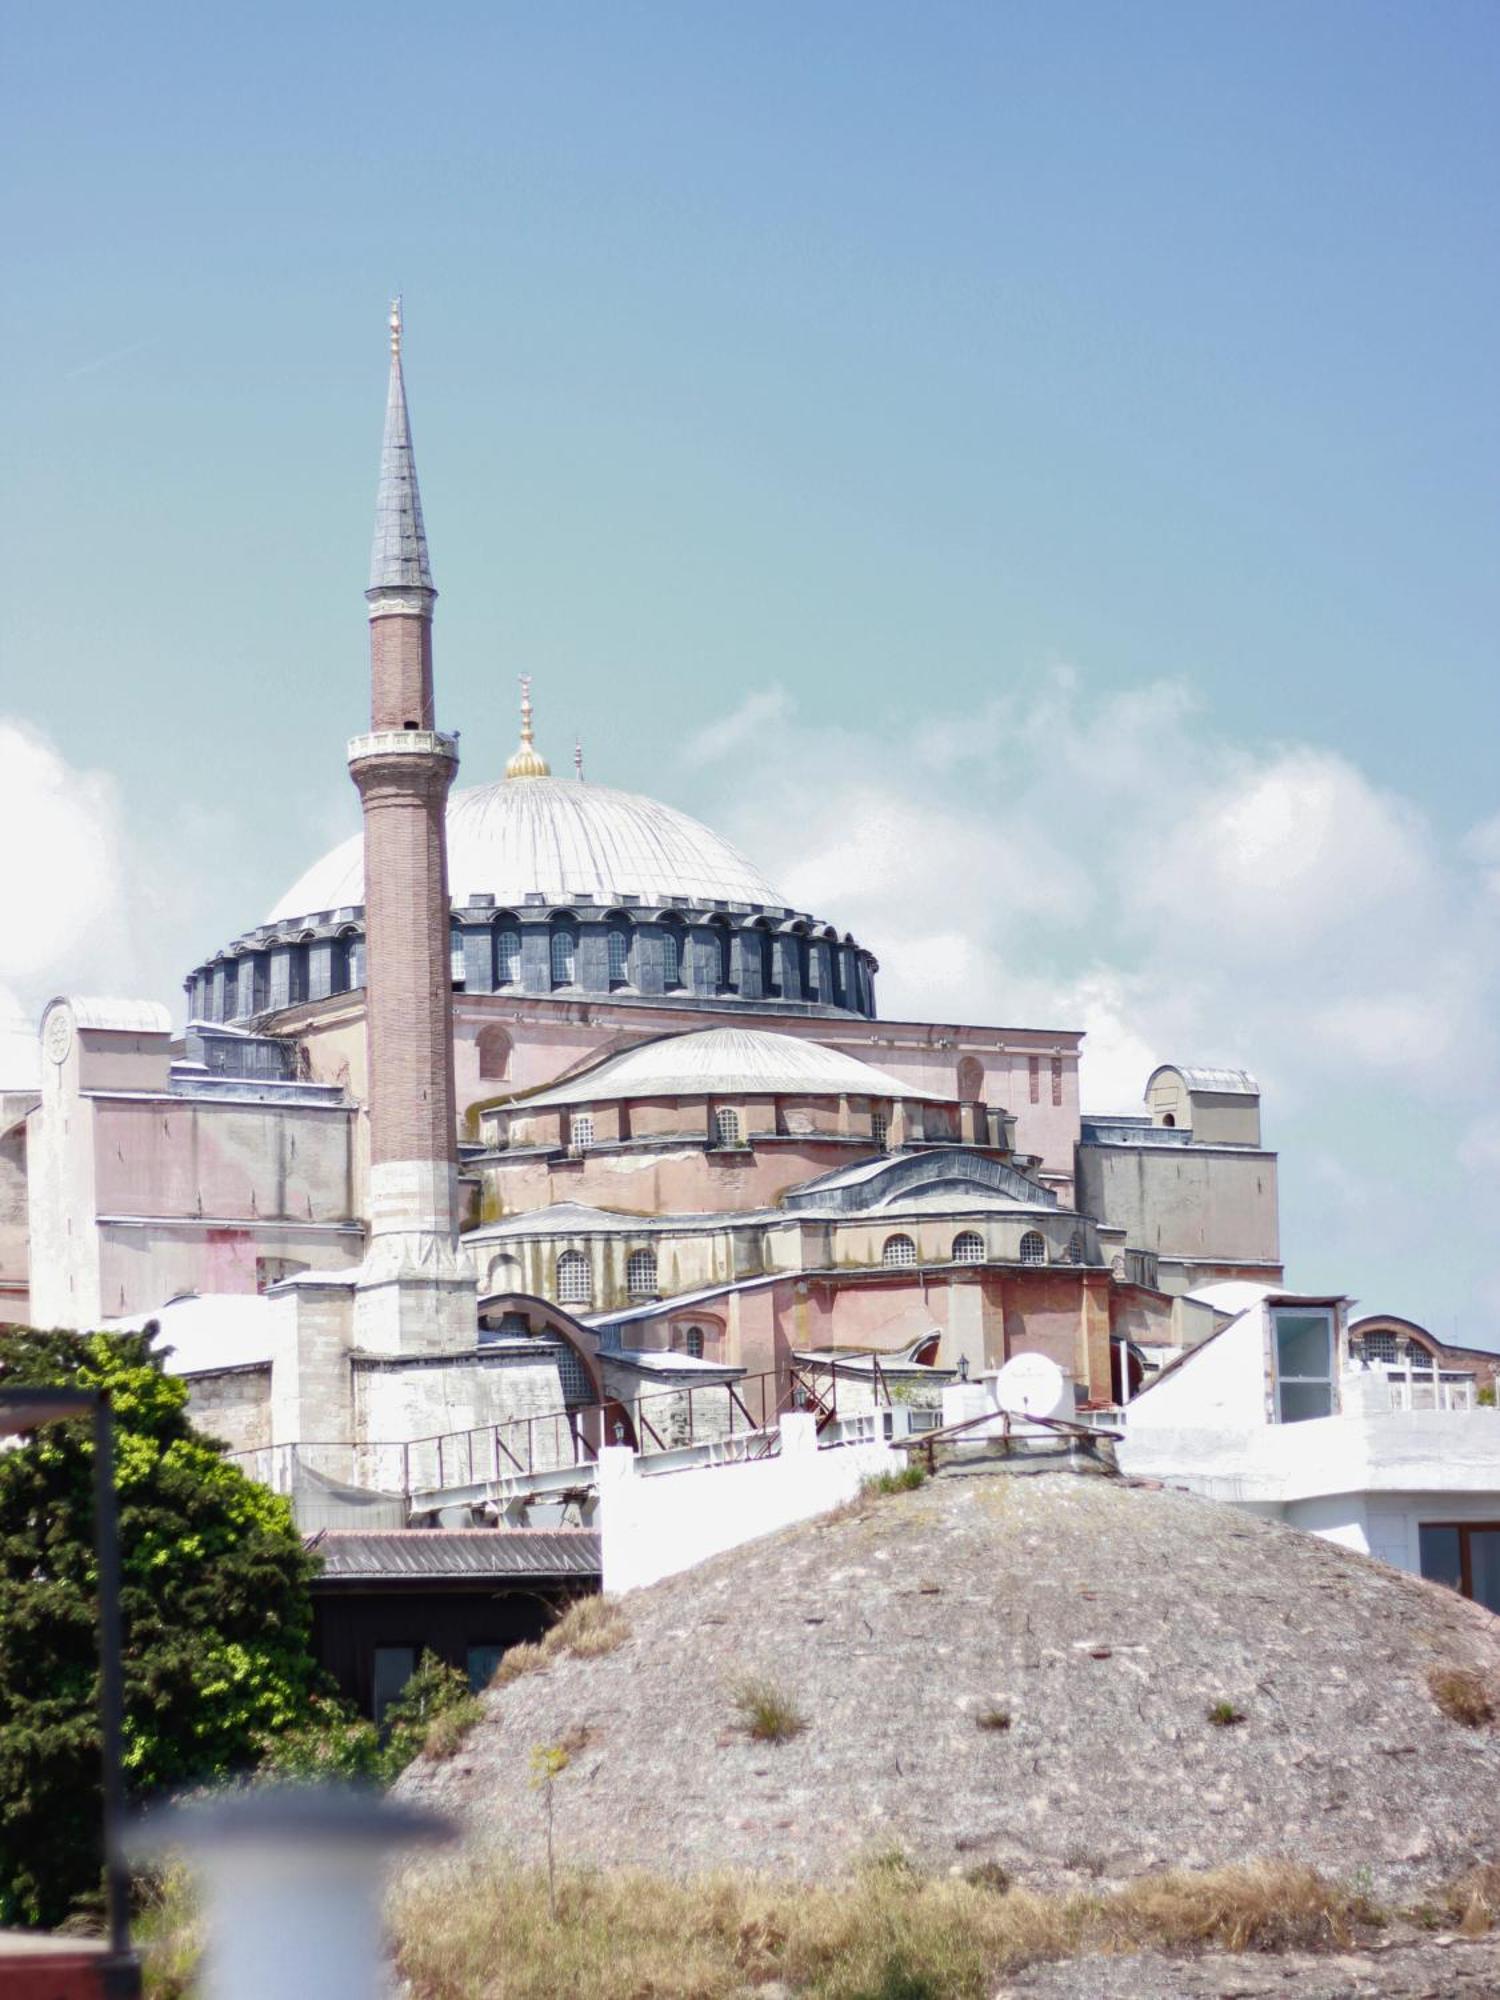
<point>1484,1566</point>
<point>1304,1344</point>
<point>394,1667</point>
<point>1440,1557</point>
<point>1302,1400</point>
<point>482,1663</point>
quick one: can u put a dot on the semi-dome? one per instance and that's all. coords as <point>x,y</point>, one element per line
<point>560,838</point>
<point>747,1062</point>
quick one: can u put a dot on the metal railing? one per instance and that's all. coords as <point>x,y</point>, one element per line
<point>736,1419</point>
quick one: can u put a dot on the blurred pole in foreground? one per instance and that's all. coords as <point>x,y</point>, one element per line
<point>291,1880</point>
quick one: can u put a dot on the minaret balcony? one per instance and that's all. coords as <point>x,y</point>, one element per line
<point>403,743</point>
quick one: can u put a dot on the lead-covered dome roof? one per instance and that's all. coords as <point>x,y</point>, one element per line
<point>558,838</point>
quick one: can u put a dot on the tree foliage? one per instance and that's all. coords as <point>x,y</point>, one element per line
<point>214,1601</point>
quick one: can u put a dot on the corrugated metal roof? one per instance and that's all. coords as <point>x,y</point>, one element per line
<point>121,1017</point>
<point>559,838</point>
<point>1204,1076</point>
<point>396,1555</point>
<point>747,1062</point>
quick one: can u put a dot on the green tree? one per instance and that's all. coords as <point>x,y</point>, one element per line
<point>214,1601</point>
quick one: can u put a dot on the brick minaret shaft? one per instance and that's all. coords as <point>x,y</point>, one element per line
<point>403,769</point>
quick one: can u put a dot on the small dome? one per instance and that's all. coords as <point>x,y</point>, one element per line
<point>740,1062</point>
<point>559,838</point>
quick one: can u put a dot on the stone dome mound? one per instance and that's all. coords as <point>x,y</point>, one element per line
<point>1010,1670</point>
<point>557,838</point>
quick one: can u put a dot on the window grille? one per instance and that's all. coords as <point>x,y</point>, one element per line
<point>572,1376</point>
<point>580,1133</point>
<point>456,970</point>
<point>968,1247</point>
<point>692,1341</point>
<point>1379,1347</point>
<point>671,955</point>
<point>899,1253</point>
<point>573,1285</point>
<point>564,954</point>
<point>1075,1247</point>
<point>880,1126</point>
<point>619,955</point>
<point>727,1127</point>
<point>1033,1248</point>
<point>507,957</point>
<point>640,1274</point>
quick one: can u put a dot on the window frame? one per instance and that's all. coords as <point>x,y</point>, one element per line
<point>1034,1261</point>
<point>634,1264</point>
<point>729,1130</point>
<point>558,933</point>
<point>900,1261</point>
<point>1279,1378</point>
<point>1463,1529</point>
<point>966,1237</point>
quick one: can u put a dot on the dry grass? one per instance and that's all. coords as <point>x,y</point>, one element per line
<point>471,1932</point>
<point>590,1626</point>
<point>1463,1695</point>
<point>994,1715</point>
<point>766,1712</point>
<point>450,1726</point>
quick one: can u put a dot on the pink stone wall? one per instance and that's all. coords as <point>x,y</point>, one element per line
<point>179,1157</point>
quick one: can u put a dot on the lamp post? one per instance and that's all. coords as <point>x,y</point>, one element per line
<point>23,1411</point>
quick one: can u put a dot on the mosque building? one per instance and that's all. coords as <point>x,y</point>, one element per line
<point>538,1093</point>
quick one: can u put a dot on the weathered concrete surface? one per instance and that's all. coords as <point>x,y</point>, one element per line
<point>1105,1620</point>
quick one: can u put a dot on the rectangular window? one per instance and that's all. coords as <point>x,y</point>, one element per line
<point>1057,1079</point>
<point>1466,1558</point>
<point>1304,1363</point>
<point>1036,1079</point>
<point>394,1667</point>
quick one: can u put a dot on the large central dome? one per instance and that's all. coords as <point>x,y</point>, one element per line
<point>560,838</point>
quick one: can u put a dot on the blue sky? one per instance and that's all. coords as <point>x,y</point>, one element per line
<point>1069,426</point>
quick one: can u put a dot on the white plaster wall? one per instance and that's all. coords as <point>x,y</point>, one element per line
<point>1222,1387</point>
<point>656,1525</point>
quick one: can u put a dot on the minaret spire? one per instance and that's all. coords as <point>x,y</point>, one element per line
<point>398,557</point>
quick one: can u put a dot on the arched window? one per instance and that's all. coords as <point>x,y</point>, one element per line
<point>971,1080</point>
<point>968,1247</point>
<point>727,1127</point>
<point>457,971</point>
<point>1033,1248</point>
<point>573,1286</point>
<point>757,941</point>
<point>812,971</point>
<point>493,1045</point>
<point>640,1274</point>
<point>671,953</point>
<point>880,1127</point>
<point>1169,1121</point>
<point>564,954</point>
<point>504,1273</point>
<point>619,952</point>
<point>580,1132</point>
<point>296,989</point>
<point>1075,1247</point>
<point>898,1253</point>
<point>507,953</point>
<point>689,1340</point>
<point>340,965</point>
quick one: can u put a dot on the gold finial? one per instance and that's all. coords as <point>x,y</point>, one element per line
<point>396,327</point>
<point>527,762</point>
<point>578,758</point>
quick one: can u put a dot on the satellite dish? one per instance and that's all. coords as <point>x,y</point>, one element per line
<point>1029,1385</point>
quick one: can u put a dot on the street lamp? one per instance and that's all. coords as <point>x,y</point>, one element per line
<point>23,1411</point>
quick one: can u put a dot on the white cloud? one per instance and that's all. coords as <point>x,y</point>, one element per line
<point>755,713</point>
<point>1118,864</point>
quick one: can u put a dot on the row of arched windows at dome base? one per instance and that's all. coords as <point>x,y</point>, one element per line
<point>575,1280</point>
<point>899,1252</point>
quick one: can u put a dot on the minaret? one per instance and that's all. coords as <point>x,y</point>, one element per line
<point>412,1294</point>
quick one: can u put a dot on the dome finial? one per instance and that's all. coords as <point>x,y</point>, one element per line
<point>527,762</point>
<point>396,327</point>
<point>578,758</point>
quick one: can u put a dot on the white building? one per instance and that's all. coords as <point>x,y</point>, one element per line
<point>1270,1414</point>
